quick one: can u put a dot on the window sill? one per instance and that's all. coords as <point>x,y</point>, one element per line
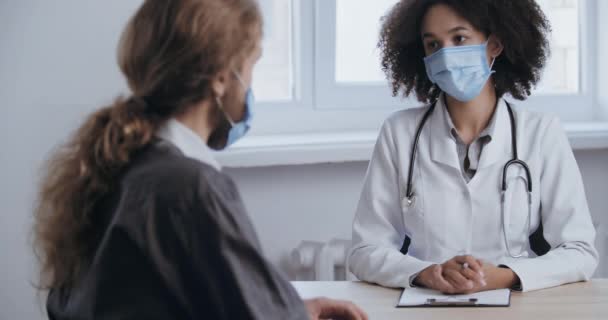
<point>302,149</point>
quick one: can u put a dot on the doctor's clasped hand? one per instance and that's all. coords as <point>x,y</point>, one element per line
<point>465,275</point>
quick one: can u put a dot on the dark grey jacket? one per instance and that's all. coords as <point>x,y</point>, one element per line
<point>176,244</point>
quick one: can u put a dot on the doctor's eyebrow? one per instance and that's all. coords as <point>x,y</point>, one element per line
<point>453,30</point>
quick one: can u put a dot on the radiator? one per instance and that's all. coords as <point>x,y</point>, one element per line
<point>325,261</point>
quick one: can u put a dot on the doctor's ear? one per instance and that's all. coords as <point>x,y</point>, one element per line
<point>495,47</point>
<point>219,84</point>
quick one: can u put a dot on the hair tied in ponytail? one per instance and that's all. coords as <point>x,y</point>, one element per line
<point>138,103</point>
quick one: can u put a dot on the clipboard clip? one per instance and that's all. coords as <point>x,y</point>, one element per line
<point>451,302</point>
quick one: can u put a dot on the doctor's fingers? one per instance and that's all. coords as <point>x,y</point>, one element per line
<point>456,279</point>
<point>438,282</point>
<point>467,273</point>
<point>474,276</point>
<point>472,263</point>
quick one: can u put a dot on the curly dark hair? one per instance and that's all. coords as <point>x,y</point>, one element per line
<point>521,25</point>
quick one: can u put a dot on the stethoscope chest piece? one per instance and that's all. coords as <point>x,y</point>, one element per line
<point>408,201</point>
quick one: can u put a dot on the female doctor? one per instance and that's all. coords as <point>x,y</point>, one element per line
<point>467,179</point>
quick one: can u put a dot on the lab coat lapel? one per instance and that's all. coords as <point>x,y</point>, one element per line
<point>499,148</point>
<point>443,148</point>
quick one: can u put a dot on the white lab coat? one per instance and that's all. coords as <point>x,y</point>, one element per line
<point>450,217</point>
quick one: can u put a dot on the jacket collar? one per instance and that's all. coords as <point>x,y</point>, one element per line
<point>188,142</point>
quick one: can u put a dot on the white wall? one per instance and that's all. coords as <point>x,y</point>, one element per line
<point>55,68</point>
<point>57,63</point>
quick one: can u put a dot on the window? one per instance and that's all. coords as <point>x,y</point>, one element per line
<point>358,25</point>
<point>321,71</point>
<point>357,29</point>
<point>562,72</point>
<point>274,71</point>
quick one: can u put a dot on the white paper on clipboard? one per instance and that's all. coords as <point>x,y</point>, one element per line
<point>418,297</point>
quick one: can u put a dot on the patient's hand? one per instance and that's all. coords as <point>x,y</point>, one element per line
<point>323,308</point>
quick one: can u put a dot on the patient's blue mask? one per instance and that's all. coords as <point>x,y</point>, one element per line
<point>239,129</point>
<point>460,72</point>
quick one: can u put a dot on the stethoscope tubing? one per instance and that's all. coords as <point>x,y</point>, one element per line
<point>514,161</point>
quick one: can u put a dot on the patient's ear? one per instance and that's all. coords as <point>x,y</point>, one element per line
<point>219,84</point>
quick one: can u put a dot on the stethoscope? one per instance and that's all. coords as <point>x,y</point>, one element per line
<point>410,197</point>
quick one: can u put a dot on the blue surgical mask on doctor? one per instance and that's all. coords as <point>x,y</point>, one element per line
<point>461,72</point>
<point>239,129</point>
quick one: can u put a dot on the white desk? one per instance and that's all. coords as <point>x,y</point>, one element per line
<point>575,301</point>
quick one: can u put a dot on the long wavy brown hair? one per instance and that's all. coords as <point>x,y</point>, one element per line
<point>169,52</point>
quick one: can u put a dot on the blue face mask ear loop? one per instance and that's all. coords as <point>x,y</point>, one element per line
<point>492,71</point>
<point>238,77</point>
<point>493,60</point>
<point>221,106</point>
<point>219,102</point>
<point>247,89</point>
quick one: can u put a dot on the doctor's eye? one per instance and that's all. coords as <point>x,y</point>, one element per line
<point>460,39</point>
<point>432,45</point>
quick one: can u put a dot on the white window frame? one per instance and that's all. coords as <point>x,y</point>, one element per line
<point>601,60</point>
<point>332,122</point>
<point>582,106</point>
<point>302,115</point>
<point>331,94</point>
